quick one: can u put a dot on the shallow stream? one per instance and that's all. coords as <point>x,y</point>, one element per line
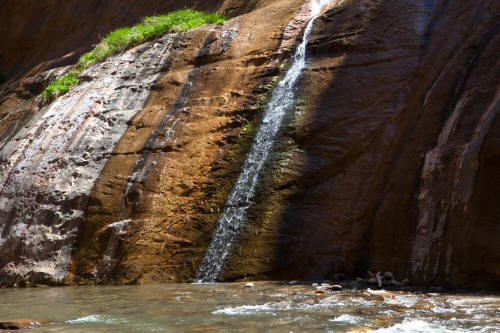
<point>266,307</point>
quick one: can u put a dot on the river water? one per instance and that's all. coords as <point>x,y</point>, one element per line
<point>266,307</point>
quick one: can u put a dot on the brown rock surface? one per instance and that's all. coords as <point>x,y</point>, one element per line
<point>178,153</point>
<point>386,168</point>
<point>389,161</point>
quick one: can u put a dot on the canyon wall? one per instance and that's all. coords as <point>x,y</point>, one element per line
<point>50,33</point>
<point>388,161</point>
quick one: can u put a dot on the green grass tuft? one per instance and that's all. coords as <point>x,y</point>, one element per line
<point>123,38</point>
<point>151,26</point>
<point>61,85</point>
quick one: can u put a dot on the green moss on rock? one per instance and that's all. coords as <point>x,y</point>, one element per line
<point>123,38</point>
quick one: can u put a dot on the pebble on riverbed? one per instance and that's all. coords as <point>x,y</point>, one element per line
<point>327,286</point>
<point>319,292</point>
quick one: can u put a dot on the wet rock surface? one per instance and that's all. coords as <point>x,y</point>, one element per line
<point>52,163</point>
<point>388,162</point>
<point>12,325</point>
<point>383,165</point>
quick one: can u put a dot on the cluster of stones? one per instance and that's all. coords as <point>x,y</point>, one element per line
<point>362,284</point>
<point>384,279</point>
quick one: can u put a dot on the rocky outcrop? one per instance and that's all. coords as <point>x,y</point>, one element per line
<point>387,163</point>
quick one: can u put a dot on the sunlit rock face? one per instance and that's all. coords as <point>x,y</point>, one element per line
<point>130,150</point>
<point>52,163</point>
<point>388,161</point>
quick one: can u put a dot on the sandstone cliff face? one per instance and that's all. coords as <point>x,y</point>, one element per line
<point>389,160</point>
<point>389,148</point>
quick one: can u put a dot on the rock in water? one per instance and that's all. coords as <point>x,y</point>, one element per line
<point>396,283</point>
<point>378,277</point>
<point>21,324</point>
<point>380,292</point>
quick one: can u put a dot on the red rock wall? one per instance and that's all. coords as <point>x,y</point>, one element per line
<point>391,149</point>
<point>388,162</point>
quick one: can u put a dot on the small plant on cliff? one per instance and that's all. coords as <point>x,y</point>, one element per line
<point>123,38</point>
<point>152,26</point>
<point>61,85</point>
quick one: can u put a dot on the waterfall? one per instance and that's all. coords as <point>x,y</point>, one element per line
<point>233,216</point>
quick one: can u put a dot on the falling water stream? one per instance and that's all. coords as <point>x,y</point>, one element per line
<point>233,216</point>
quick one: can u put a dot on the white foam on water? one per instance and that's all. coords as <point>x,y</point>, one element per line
<point>95,318</point>
<point>87,319</point>
<point>345,318</point>
<point>326,304</point>
<point>402,300</point>
<point>250,309</point>
<point>414,326</point>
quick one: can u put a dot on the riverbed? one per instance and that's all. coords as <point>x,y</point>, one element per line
<point>232,307</point>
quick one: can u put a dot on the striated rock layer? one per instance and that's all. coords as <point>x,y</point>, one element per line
<point>389,161</point>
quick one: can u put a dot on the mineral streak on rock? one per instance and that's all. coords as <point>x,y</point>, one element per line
<point>116,231</point>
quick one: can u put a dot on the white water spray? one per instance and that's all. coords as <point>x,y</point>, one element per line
<point>233,217</point>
